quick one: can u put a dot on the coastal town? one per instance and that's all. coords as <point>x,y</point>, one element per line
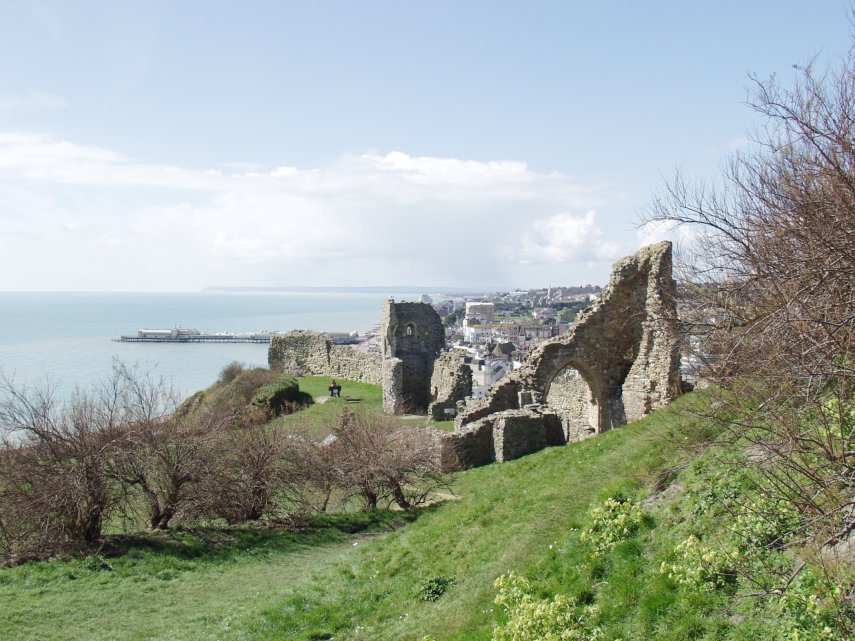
<point>493,333</point>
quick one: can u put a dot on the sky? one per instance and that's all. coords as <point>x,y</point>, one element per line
<point>173,146</point>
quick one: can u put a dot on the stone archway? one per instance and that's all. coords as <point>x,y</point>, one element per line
<point>571,397</point>
<point>626,347</point>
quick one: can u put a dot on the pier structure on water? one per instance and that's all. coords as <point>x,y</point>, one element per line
<point>188,335</point>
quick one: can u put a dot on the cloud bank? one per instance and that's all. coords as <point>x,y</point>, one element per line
<point>86,218</point>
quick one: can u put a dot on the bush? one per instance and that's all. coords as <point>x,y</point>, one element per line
<point>247,476</point>
<point>281,396</point>
<point>378,460</point>
<point>57,490</point>
<point>529,618</point>
<point>230,372</point>
<point>613,521</point>
<point>163,462</point>
<point>433,588</point>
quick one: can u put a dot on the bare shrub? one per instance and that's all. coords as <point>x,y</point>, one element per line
<point>378,460</point>
<point>230,372</point>
<point>56,490</point>
<point>160,464</point>
<point>247,475</point>
<point>769,293</point>
<point>315,471</point>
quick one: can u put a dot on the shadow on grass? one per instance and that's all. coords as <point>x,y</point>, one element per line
<point>225,543</point>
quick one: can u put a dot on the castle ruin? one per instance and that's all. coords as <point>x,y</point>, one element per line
<point>617,363</point>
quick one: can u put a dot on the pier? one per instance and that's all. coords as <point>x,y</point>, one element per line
<point>199,338</point>
<point>186,335</point>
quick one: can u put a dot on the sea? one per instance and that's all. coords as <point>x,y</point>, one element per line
<point>65,341</point>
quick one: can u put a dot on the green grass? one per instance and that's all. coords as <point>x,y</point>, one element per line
<point>524,515</point>
<point>401,576</point>
<point>175,585</point>
<point>316,421</point>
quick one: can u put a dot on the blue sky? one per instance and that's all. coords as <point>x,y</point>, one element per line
<point>169,146</point>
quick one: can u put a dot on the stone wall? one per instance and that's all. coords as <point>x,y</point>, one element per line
<point>570,397</point>
<point>623,359</point>
<point>626,348</point>
<point>501,437</point>
<point>308,353</point>
<point>350,364</point>
<point>471,446</point>
<point>450,383</point>
<point>413,337</point>
<point>392,382</point>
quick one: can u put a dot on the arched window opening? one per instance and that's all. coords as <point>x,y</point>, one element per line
<point>571,398</point>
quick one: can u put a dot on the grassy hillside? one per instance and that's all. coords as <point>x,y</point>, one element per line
<point>315,420</point>
<point>383,577</point>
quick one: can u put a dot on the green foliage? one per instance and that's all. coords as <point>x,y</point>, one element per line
<point>281,396</point>
<point>613,521</point>
<point>529,618</point>
<point>569,311</point>
<point>229,396</point>
<point>432,588</point>
<point>805,614</point>
<point>700,566</point>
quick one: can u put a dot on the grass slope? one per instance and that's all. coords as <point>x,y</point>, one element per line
<point>175,586</point>
<point>315,420</point>
<point>523,516</point>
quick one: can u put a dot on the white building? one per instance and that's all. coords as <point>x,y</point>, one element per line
<point>482,311</point>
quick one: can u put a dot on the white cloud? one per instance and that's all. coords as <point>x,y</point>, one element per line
<point>564,238</point>
<point>366,219</point>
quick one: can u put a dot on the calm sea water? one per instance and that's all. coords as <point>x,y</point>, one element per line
<point>65,338</point>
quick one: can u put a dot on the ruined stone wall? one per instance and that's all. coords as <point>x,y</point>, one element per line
<point>625,354</point>
<point>391,379</point>
<point>520,432</point>
<point>501,437</point>
<point>308,353</point>
<point>469,447</point>
<point>352,365</point>
<point>413,334</point>
<point>570,398</point>
<point>626,348</point>
<point>299,352</point>
<point>450,383</point>
<point>654,379</point>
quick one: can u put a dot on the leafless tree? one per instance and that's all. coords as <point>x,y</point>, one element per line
<point>314,470</point>
<point>162,463</point>
<point>768,283</point>
<point>247,475</point>
<point>379,460</point>
<point>56,489</point>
